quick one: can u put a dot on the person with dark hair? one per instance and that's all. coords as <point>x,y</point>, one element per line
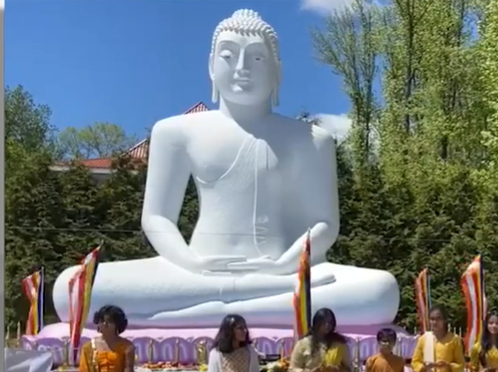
<point>323,349</point>
<point>484,354</point>
<point>232,350</point>
<point>108,352</point>
<point>438,350</point>
<point>385,360</point>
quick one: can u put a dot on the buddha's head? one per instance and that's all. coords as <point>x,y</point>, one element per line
<point>244,64</point>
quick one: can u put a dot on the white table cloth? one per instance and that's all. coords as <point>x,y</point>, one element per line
<point>20,360</point>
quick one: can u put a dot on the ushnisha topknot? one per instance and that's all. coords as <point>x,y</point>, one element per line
<point>248,21</point>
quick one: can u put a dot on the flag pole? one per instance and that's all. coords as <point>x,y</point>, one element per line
<point>483,290</point>
<point>41,299</point>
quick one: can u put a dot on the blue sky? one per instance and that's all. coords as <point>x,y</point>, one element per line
<point>134,62</point>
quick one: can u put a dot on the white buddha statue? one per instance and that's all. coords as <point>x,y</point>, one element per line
<point>263,180</point>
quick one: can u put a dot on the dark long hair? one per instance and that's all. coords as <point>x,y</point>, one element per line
<point>486,340</point>
<point>223,342</point>
<point>320,318</point>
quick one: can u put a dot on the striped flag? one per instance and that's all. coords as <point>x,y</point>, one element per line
<point>423,299</point>
<point>33,286</point>
<point>80,292</point>
<point>302,295</point>
<point>475,298</point>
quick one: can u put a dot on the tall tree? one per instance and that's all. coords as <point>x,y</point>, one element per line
<point>27,124</point>
<point>348,46</point>
<point>119,207</point>
<point>99,140</point>
<point>488,53</point>
<point>415,207</point>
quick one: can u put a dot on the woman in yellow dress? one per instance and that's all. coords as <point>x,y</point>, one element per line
<point>323,350</point>
<point>438,350</point>
<point>484,354</point>
<point>108,352</point>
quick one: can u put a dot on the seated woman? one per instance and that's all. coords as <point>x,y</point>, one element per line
<point>108,352</point>
<point>438,350</point>
<point>232,350</point>
<point>484,354</point>
<point>323,349</point>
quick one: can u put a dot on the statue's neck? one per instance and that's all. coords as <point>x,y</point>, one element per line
<point>245,114</point>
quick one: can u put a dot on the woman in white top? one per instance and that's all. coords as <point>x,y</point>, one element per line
<point>232,350</point>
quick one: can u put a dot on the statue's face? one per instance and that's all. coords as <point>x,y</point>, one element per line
<point>243,68</point>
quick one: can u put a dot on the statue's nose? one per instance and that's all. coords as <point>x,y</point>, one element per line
<point>241,67</point>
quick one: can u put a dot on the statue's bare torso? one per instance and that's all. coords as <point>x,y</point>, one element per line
<point>244,174</point>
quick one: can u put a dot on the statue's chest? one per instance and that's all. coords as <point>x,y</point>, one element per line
<point>241,156</point>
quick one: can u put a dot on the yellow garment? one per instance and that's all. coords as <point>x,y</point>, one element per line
<point>104,361</point>
<point>491,358</point>
<point>449,350</point>
<point>302,357</point>
<point>385,363</point>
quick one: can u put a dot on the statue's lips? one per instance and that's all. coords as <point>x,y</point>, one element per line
<point>242,82</point>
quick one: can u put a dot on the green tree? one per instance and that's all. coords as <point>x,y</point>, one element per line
<point>32,216</point>
<point>77,231</point>
<point>32,196</point>
<point>99,140</point>
<point>26,124</point>
<point>119,207</point>
<point>415,203</point>
<point>348,44</point>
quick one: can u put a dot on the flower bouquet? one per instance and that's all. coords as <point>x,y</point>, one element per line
<point>281,365</point>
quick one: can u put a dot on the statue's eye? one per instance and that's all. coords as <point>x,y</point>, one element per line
<point>259,58</point>
<point>226,54</point>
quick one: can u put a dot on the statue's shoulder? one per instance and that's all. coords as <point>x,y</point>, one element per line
<point>306,130</point>
<point>321,134</point>
<point>183,123</point>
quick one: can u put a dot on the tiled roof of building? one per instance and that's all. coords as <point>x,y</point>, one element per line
<point>138,151</point>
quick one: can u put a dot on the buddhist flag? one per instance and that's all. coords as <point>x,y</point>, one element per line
<point>423,299</point>
<point>33,286</point>
<point>302,295</point>
<point>473,288</point>
<point>80,291</point>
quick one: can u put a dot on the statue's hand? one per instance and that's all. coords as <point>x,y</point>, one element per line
<point>263,265</point>
<point>212,264</point>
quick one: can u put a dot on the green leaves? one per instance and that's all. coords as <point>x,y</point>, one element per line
<point>427,193</point>
<point>99,140</point>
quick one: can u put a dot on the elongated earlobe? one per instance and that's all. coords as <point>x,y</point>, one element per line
<point>215,95</point>
<point>274,98</point>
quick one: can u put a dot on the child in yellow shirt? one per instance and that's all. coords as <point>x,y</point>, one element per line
<point>484,354</point>
<point>448,355</point>
<point>385,360</point>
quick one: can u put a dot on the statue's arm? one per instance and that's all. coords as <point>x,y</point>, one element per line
<point>319,198</point>
<point>168,173</point>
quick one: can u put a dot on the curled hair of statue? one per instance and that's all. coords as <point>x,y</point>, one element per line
<point>248,21</point>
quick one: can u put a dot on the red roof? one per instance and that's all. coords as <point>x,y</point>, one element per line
<point>138,151</point>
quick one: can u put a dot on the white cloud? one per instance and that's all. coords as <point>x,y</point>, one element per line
<point>337,125</point>
<point>326,6</point>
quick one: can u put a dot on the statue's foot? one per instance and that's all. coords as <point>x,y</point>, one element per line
<point>154,292</point>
